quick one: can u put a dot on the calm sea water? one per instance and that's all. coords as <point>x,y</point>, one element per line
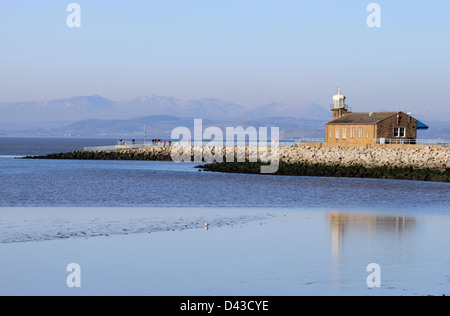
<point>11,146</point>
<point>70,183</point>
<point>269,235</point>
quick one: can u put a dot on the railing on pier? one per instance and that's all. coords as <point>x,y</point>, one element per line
<point>311,140</point>
<point>100,148</point>
<point>141,144</point>
<point>282,143</point>
<point>129,145</point>
<point>401,141</point>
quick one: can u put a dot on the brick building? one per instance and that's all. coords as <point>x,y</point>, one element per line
<point>368,128</point>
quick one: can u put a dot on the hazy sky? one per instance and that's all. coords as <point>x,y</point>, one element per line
<point>246,51</point>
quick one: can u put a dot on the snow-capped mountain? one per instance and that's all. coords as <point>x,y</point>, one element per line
<point>97,107</point>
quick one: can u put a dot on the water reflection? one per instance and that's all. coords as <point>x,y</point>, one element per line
<point>360,230</point>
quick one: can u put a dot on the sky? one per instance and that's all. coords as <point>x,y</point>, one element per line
<point>246,51</point>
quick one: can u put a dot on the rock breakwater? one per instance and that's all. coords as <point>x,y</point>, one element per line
<point>402,157</point>
<point>401,163</point>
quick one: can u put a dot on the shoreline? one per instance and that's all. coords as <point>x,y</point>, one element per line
<point>318,170</point>
<point>427,164</point>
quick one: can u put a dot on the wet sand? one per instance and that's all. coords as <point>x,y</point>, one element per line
<point>244,252</point>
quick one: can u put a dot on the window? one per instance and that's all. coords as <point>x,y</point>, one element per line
<point>344,133</point>
<point>367,134</point>
<point>331,135</point>
<point>399,132</point>
<point>337,132</point>
<point>360,132</point>
<point>352,132</point>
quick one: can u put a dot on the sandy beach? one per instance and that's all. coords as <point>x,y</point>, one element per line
<point>243,252</point>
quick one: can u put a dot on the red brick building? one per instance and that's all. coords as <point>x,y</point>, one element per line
<point>369,128</point>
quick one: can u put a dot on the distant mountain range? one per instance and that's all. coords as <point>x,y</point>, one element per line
<point>97,107</point>
<point>95,116</point>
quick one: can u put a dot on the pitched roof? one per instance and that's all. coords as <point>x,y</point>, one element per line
<point>363,118</point>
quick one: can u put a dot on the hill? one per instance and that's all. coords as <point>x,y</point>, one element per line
<point>96,116</point>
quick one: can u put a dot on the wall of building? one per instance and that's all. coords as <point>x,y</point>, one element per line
<point>351,134</point>
<point>337,113</point>
<point>386,128</point>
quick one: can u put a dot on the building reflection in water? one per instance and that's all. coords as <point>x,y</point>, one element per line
<point>372,227</point>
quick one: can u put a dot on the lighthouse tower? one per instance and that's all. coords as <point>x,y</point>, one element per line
<point>339,108</point>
